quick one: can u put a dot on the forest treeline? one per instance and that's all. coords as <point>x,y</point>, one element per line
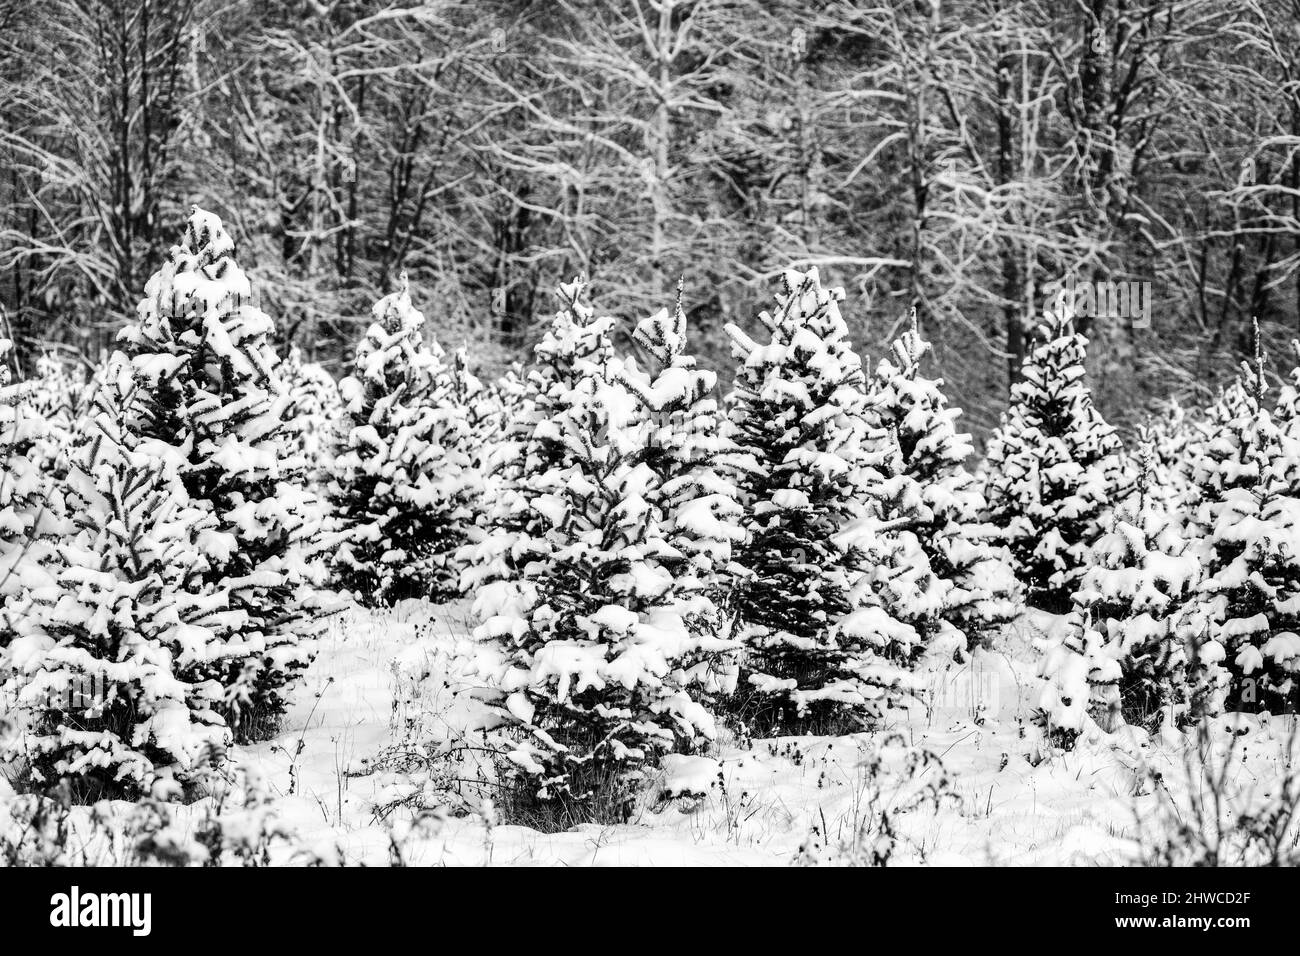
<point>952,157</point>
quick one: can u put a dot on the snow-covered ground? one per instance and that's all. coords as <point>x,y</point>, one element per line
<point>359,759</point>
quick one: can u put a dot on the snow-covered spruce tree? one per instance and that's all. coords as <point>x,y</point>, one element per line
<point>1128,624</point>
<point>1053,468</point>
<point>1175,441</point>
<point>575,340</point>
<point>509,394</point>
<point>486,415</point>
<point>587,640</point>
<point>693,492</point>
<point>488,407</point>
<point>30,506</point>
<point>798,417</point>
<point>210,387</point>
<point>467,453</point>
<point>404,484</point>
<point>1239,443</point>
<point>1246,504</point>
<point>963,586</point>
<point>314,415</point>
<point>104,681</point>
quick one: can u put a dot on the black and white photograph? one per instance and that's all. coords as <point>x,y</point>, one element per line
<point>650,433</point>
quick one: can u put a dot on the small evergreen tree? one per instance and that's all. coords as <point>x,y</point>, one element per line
<point>211,389</point>
<point>482,406</point>
<point>1246,505</point>
<point>575,339</point>
<point>314,415</point>
<point>1234,456</point>
<point>101,681</point>
<point>587,640</point>
<point>508,394</point>
<point>405,484</point>
<point>1175,442</point>
<point>948,577</point>
<point>693,494</point>
<point>1129,623</point>
<point>798,416</point>
<point>489,408</point>
<point>1053,467</point>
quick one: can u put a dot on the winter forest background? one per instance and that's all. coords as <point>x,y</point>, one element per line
<point>548,432</point>
<point>952,157</point>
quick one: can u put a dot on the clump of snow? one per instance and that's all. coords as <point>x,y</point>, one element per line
<point>687,775</point>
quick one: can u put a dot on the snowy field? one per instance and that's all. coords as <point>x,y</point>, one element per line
<point>374,743</point>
